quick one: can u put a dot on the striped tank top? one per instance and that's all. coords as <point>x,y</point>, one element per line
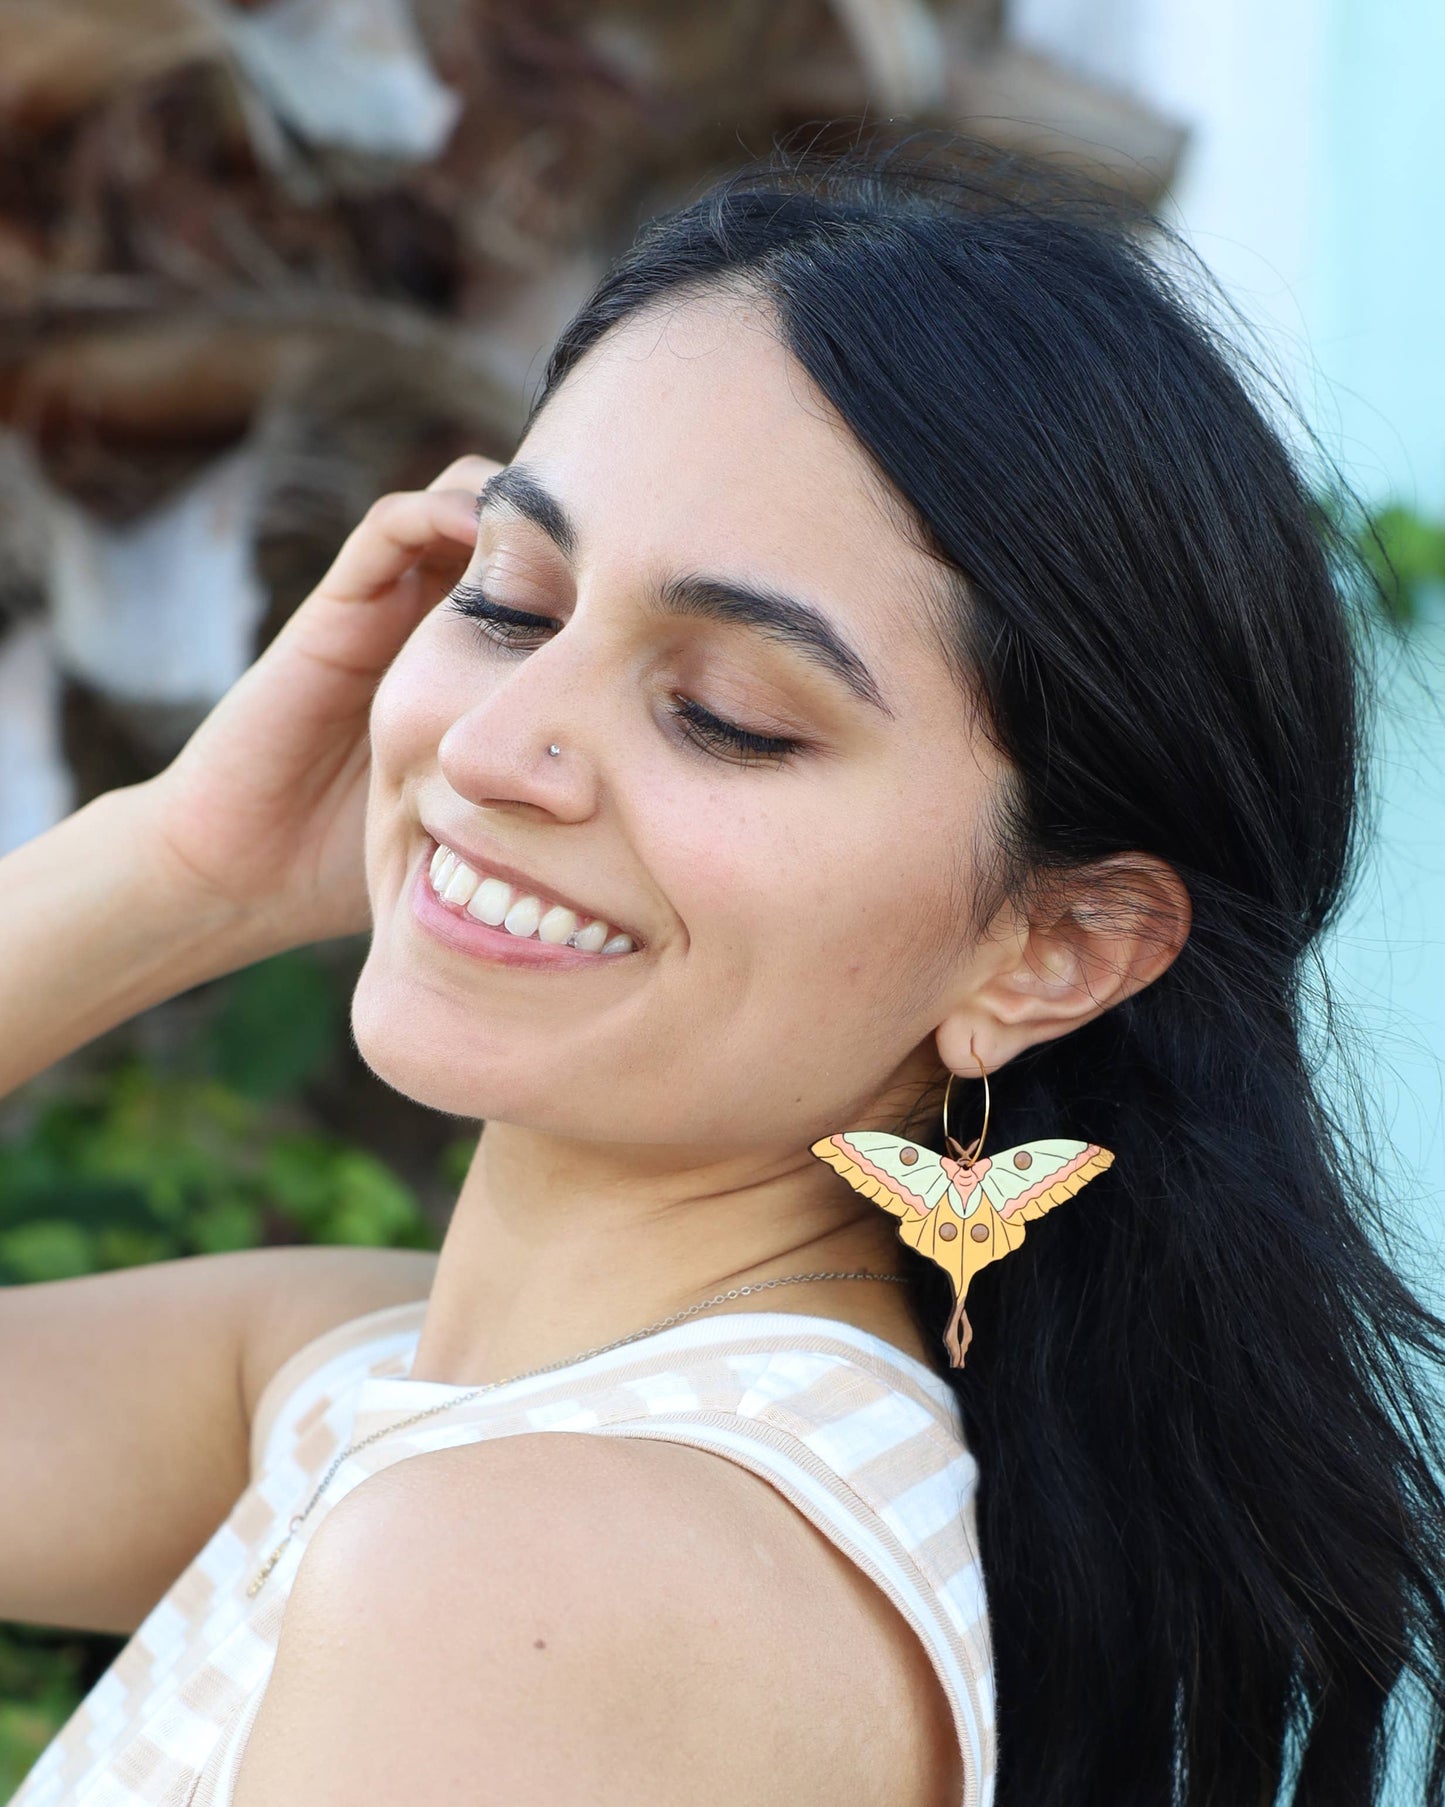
<point>861,1437</point>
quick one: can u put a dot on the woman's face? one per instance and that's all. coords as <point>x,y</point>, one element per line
<point>801,915</point>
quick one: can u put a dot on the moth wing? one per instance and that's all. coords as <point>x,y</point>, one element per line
<point>908,1181</point>
<point>1049,1172</point>
<point>905,1178</point>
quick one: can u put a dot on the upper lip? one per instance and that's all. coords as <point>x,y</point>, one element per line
<point>490,866</point>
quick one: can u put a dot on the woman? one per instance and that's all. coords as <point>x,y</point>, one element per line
<point>898,648</point>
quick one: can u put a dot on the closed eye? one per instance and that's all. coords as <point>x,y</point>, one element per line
<point>493,620</point>
<point>700,727</point>
<point>727,740</point>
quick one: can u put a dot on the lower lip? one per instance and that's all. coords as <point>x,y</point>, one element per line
<point>460,930</point>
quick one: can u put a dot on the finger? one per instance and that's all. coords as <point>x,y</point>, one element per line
<point>394,533</point>
<point>468,472</point>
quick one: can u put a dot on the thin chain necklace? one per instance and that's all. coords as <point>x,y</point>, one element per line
<point>733,1292</point>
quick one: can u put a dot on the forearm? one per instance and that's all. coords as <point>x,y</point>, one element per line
<point>96,927</point>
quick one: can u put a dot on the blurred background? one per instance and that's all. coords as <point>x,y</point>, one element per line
<point>261,260</point>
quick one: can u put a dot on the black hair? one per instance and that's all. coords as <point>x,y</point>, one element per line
<point>1211,1527</point>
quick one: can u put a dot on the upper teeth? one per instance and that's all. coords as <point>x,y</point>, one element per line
<point>520,913</point>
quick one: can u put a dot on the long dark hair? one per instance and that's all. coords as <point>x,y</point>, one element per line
<point>1211,1528</point>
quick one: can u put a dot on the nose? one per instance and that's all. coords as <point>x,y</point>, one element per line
<point>498,753</point>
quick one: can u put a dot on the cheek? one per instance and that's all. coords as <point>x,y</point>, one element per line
<point>408,716</point>
<point>808,912</point>
<point>410,708</point>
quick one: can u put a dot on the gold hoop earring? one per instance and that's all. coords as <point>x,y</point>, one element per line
<point>975,1148</point>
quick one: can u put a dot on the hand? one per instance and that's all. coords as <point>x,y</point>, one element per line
<point>263,809</point>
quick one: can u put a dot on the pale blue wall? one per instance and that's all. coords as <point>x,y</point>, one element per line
<point>1379,293</point>
<point>1387,958</point>
<point>1377,300</point>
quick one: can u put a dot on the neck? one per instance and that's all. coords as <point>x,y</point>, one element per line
<point>556,1247</point>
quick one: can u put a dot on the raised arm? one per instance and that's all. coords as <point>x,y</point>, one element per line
<point>97,924</point>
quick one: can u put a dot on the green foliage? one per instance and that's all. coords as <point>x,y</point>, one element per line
<point>143,1165</point>
<point>43,1675</point>
<point>278,1026</point>
<point>147,1160</point>
<point>1390,559</point>
<point>1405,555</point>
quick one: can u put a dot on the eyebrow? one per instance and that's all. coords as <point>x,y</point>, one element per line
<point>783,618</point>
<point>516,488</point>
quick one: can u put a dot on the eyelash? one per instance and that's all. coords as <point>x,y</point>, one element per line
<point>708,732</point>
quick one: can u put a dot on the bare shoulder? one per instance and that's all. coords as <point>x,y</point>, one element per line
<point>579,1617</point>
<point>296,1294</point>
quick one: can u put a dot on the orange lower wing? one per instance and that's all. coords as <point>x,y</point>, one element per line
<point>873,1185</point>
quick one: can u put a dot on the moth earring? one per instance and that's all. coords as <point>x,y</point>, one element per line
<point>963,1210</point>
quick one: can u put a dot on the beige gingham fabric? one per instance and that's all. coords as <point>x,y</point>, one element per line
<point>862,1438</point>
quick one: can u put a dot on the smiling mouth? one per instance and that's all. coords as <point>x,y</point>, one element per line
<point>524,915</point>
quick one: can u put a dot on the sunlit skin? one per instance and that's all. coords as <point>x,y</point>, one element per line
<point>805,966</point>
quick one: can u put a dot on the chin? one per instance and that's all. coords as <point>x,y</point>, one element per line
<point>402,1034</point>
<point>421,1044</point>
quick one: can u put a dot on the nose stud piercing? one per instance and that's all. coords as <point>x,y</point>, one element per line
<point>554,749</point>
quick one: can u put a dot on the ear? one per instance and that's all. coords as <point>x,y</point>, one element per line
<point>1105,932</point>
